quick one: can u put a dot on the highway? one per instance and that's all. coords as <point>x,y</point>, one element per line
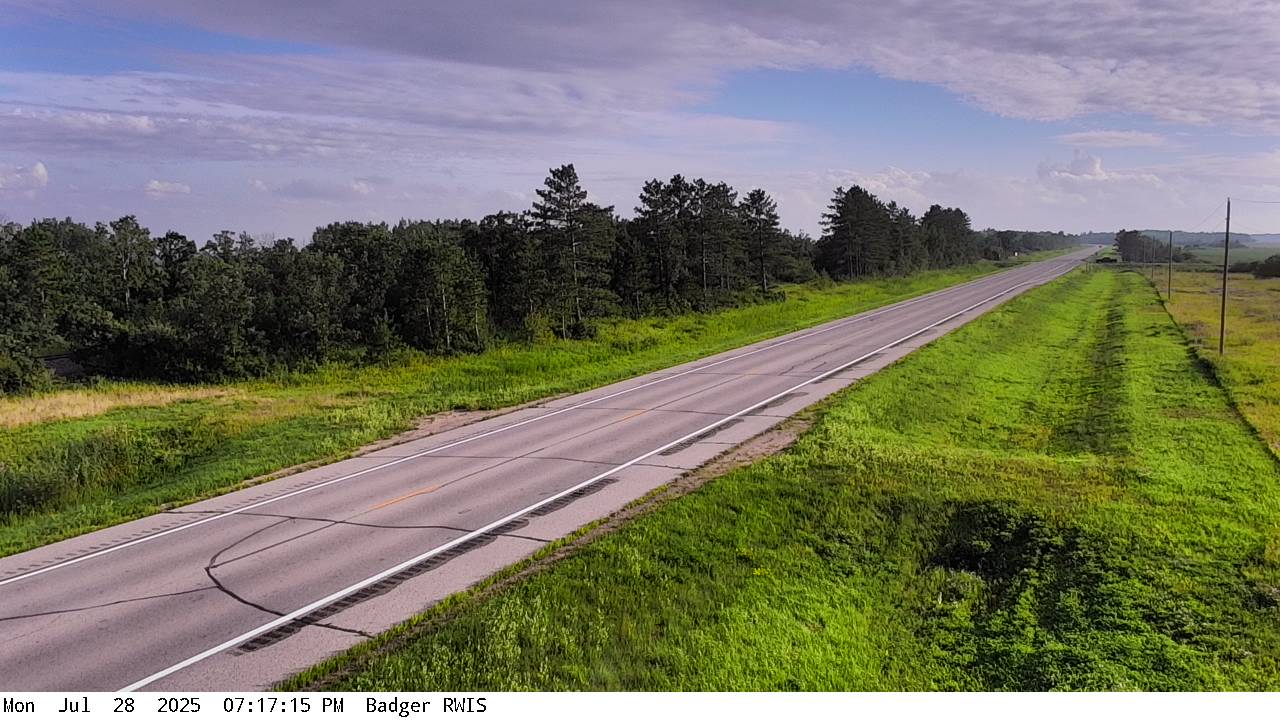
<point>242,590</point>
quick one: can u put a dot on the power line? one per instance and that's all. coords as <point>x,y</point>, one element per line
<point>1246,231</point>
<point>1212,213</point>
<point>1226,249</point>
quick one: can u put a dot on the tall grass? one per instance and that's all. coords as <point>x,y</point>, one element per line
<point>1250,368</point>
<point>82,459</point>
<point>75,403</point>
<point>1054,497</point>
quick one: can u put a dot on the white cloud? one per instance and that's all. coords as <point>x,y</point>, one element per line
<point>166,188</point>
<point>39,175</point>
<point>328,191</point>
<point>91,121</point>
<point>1085,182</point>
<point>1075,194</point>
<point>24,180</point>
<point>1113,139</point>
<point>1186,62</point>
<point>484,96</point>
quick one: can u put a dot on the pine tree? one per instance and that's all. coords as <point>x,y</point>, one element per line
<point>904,240</point>
<point>720,230</point>
<point>661,224</point>
<point>949,236</point>
<point>575,247</point>
<point>760,222</point>
<point>631,281</point>
<point>131,304</point>
<point>515,277</point>
<point>855,239</point>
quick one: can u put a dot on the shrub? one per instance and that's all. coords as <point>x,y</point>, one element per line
<point>1269,268</point>
<point>22,373</point>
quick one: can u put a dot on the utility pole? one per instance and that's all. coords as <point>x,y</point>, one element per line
<point>1222,320</point>
<point>1168,293</point>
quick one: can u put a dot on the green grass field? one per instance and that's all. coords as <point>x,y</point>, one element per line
<point>1246,254</point>
<point>85,458</point>
<point>1250,368</point>
<point>1057,496</point>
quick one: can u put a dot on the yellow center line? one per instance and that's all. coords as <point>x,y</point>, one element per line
<point>413,494</point>
<point>434,488</point>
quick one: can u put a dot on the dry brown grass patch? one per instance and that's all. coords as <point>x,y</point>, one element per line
<point>70,404</point>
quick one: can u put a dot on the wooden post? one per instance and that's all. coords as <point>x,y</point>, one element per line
<point>1226,249</point>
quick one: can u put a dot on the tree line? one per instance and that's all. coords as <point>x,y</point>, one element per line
<point>1261,269</point>
<point>1137,246</point>
<point>126,303</point>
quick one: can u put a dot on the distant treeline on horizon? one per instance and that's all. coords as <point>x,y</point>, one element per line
<point>126,303</point>
<point>1141,246</point>
<point>1189,239</point>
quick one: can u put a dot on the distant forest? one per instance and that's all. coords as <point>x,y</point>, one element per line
<point>1141,247</point>
<point>125,303</point>
<point>1180,238</point>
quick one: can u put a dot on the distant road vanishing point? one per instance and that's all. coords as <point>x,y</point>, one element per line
<point>243,590</point>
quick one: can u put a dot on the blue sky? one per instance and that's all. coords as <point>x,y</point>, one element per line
<point>102,46</point>
<point>272,118</point>
<point>871,119</point>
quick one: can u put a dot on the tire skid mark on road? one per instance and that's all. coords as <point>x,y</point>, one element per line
<point>382,587</point>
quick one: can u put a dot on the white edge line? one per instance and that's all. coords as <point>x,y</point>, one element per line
<point>478,436</point>
<point>333,597</point>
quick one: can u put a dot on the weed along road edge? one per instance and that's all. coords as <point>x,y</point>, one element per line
<point>245,589</point>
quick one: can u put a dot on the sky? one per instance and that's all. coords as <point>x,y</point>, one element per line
<point>275,117</point>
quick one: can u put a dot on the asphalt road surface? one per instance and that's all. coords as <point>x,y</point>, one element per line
<point>240,591</point>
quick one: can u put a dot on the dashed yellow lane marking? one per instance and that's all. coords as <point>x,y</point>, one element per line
<point>402,498</point>
<point>434,488</point>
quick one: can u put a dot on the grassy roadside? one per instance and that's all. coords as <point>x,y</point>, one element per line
<point>1055,496</point>
<point>78,460</point>
<point>1250,369</point>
